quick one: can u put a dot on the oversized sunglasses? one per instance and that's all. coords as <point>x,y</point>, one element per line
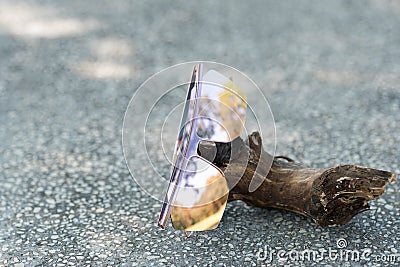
<point>214,111</point>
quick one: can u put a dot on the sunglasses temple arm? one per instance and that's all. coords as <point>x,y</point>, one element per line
<point>169,199</point>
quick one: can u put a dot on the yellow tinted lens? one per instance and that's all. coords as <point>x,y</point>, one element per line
<point>222,109</point>
<point>201,198</point>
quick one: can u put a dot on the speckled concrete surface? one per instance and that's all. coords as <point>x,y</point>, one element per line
<point>67,71</point>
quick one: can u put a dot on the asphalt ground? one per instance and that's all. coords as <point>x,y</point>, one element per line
<point>330,71</point>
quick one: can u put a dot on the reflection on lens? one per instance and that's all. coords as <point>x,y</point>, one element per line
<point>202,197</point>
<point>222,109</point>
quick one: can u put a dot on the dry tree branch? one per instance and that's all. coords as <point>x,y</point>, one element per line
<point>329,196</point>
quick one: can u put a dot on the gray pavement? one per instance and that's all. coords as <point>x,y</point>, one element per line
<point>68,69</point>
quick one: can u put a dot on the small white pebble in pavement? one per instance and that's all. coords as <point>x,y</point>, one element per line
<point>100,210</point>
<point>50,201</point>
<point>36,210</point>
<point>388,206</point>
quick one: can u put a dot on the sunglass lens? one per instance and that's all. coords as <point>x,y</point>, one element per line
<point>201,197</point>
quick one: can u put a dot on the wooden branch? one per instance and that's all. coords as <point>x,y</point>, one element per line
<point>329,196</point>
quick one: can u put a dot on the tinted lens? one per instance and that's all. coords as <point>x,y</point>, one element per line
<point>201,198</point>
<point>222,109</point>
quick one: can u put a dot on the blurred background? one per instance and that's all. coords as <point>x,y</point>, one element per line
<point>69,68</point>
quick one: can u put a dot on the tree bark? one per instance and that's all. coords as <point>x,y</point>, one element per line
<point>329,196</point>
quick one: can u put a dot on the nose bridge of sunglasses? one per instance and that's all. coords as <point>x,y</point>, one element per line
<point>207,149</point>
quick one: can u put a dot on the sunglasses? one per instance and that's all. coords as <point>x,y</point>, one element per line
<point>214,111</point>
